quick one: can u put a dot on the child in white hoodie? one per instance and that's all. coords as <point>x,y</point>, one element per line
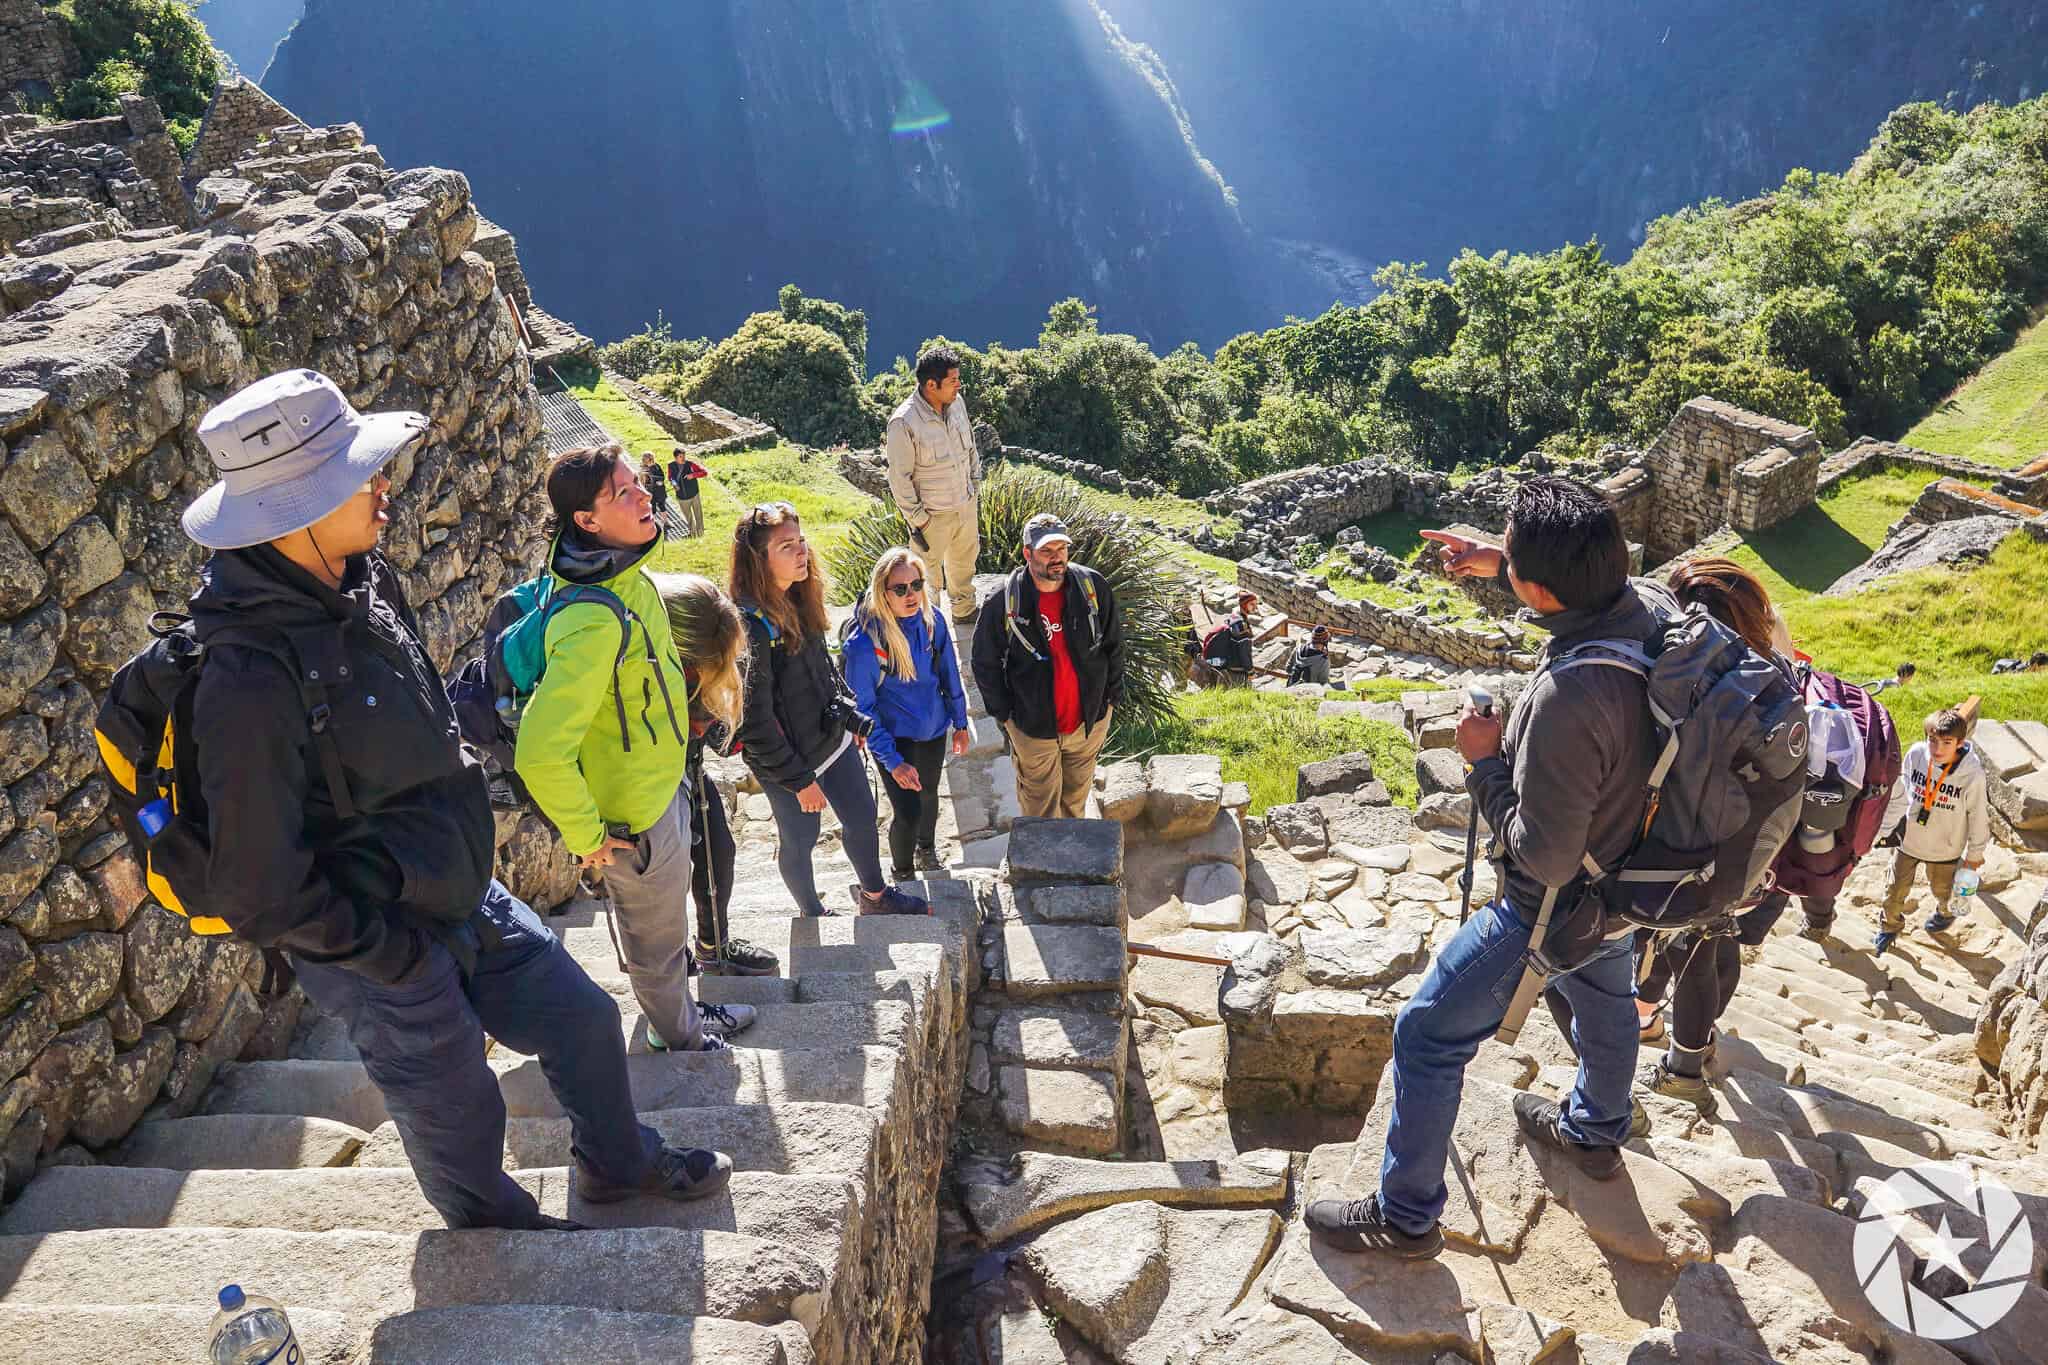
<point>1947,821</point>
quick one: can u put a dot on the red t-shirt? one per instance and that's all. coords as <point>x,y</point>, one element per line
<point>1066,684</point>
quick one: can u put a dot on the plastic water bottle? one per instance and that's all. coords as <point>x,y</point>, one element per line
<point>153,817</point>
<point>1966,882</point>
<point>249,1331</point>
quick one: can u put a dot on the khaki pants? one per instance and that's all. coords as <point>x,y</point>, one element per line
<point>1054,776</point>
<point>1941,880</point>
<point>954,536</point>
<point>693,514</point>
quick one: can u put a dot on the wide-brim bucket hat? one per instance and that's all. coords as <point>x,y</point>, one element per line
<point>290,449</point>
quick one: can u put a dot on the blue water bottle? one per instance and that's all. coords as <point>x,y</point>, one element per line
<point>250,1331</point>
<point>153,817</point>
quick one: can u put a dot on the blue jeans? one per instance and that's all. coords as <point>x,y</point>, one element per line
<point>422,1041</point>
<point>1461,1002</point>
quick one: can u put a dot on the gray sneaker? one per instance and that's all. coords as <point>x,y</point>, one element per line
<point>723,1021</point>
<point>681,1173</point>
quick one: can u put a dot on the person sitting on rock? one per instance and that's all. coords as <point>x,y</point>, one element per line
<point>390,916</point>
<point>1312,663</point>
<point>899,661</point>
<point>1947,822</point>
<point>711,641</point>
<point>1562,789</point>
<point>800,731</point>
<point>1049,660</point>
<point>1230,649</point>
<point>602,749</point>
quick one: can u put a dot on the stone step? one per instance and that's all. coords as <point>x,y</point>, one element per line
<point>241,1142</point>
<point>865,1075</point>
<point>886,1023</point>
<point>366,1276</point>
<point>783,1139</point>
<point>76,1334</point>
<point>341,1091</point>
<point>542,1335</point>
<point>1814,1110</point>
<point>810,1215</point>
<point>324,1038</point>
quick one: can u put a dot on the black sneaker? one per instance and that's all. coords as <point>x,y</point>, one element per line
<point>681,1173</point>
<point>1359,1225</point>
<point>1538,1120</point>
<point>737,958</point>
<point>900,875</point>
<point>928,860</point>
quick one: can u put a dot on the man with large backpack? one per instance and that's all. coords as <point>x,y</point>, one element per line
<point>319,802</point>
<point>1049,660</point>
<point>1564,792</point>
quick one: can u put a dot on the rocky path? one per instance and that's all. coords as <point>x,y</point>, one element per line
<point>835,1107</point>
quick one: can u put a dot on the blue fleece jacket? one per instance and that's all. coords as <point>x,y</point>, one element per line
<point>923,709</point>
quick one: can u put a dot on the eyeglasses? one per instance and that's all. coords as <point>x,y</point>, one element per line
<point>905,589</point>
<point>766,514</point>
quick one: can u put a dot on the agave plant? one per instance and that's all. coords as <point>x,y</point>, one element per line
<point>1150,586</point>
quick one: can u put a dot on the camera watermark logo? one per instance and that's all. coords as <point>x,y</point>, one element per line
<point>1942,1252</point>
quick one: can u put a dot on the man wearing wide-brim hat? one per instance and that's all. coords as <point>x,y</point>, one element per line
<point>367,859</point>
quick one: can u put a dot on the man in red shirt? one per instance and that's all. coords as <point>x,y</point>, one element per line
<point>1048,658</point>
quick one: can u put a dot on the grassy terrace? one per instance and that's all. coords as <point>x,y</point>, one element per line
<point>2000,414</point>
<point>1400,535</point>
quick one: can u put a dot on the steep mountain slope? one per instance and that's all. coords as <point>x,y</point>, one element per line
<point>1406,129</point>
<point>948,170</point>
<point>248,30</point>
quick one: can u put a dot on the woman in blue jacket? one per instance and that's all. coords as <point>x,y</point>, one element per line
<point>899,662</point>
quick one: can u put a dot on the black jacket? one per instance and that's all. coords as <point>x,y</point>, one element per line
<point>795,701</point>
<point>366,893</point>
<point>1015,676</point>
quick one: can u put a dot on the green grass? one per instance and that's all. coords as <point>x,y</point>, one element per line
<point>1802,555</point>
<point>617,413</point>
<point>2000,414</point>
<point>1398,533</point>
<point>1385,689</point>
<point>1263,737</point>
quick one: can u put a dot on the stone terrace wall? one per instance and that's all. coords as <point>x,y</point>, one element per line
<point>1697,468</point>
<point>1298,595</point>
<point>35,47</point>
<point>1954,500</point>
<point>122,172</point>
<point>2012,1037</point>
<point>501,249</point>
<point>235,122</point>
<point>1311,502</point>
<point>1866,454</point>
<point>700,428</point>
<point>107,1002</point>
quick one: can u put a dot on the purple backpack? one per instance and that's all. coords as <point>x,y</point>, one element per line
<point>1802,873</point>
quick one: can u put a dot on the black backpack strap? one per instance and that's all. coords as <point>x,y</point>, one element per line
<point>316,659</point>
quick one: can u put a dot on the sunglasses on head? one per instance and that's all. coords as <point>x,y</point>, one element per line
<point>905,589</point>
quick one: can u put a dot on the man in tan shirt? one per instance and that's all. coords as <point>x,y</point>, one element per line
<point>935,477</point>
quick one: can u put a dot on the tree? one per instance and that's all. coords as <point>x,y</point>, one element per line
<point>152,47</point>
<point>796,376</point>
<point>850,325</point>
<point>1065,320</point>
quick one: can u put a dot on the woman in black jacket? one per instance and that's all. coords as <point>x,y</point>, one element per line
<point>797,726</point>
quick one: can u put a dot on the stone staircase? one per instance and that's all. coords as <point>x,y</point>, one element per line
<point>837,1108</point>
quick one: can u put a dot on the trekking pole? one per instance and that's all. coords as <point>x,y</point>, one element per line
<point>1147,950</point>
<point>1482,703</point>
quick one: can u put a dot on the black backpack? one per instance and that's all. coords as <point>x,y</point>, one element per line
<point>144,730</point>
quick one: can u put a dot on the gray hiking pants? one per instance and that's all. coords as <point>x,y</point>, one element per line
<point>647,892</point>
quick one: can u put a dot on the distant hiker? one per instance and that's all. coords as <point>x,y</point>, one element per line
<point>1311,664</point>
<point>1947,822</point>
<point>684,475</point>
<point>711,641</point>
<point>357,836</point>
<point>1899,679</point>
<point>1563,789</point>
<point>656,485</point>
<point>799,730</point>
<point>898,657</point>
<point>602,746</point>
<point>935,477</point>
<point>1049,660</point>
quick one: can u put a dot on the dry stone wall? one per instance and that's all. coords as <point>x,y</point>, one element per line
<point>700,428</point>
<point>108,1005</point>
<point>117,173</point>
<point>1494,646</point>
<point>2012,1037</point>
<point>239,118</point>
<point>1716,465</point>
<point>36,50</point>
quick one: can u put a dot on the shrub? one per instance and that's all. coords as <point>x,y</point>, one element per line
<point>1139,567</point>
<point>161,42</point>
<point>796,376</point>
<point>653,350</point>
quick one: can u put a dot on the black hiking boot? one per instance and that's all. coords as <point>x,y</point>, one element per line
<point>680,1173</point>
<point>543,1222</point>
<point>1360,1225</point>
<point>928,860</point>
<point>1538,1120</point>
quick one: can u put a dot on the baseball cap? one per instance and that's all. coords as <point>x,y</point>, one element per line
<point>1043,529</point>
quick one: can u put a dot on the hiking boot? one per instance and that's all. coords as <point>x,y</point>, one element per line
<point>1538,1119</point>
<point>890,902</point>
<point>928,860</point>
<point>548,1223</point>
<point>1882,943</point>
<point>681,1173</point>
<point>712,1041</point>
<point>1659,1079</point>
<point>1360,1225</point>
<point>900,875</point>
<point>737,958</point>
<point>1938,922</point>
<point>723,1021</point>
<point>1638,1119</point>
<point>1819,931</point>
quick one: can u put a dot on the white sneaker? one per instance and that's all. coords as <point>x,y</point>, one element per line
<point>723,1021</point>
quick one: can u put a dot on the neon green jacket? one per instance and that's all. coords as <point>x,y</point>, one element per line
<point>579,767</point>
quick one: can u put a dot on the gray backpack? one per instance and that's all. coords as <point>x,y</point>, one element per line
<point>1721,802</point>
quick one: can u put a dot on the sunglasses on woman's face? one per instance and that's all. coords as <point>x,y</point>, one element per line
<point>905,589</point>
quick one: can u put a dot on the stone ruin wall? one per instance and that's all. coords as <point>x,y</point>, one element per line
<point>117,174</point>
<point>240,116</point>
<point>1494,647</point>
<point>700,428</point>
<point>108,1004</point>
<point>36,50</point>
<point>1716,465</point>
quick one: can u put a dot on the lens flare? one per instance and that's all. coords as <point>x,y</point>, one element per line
<point>918,112</point>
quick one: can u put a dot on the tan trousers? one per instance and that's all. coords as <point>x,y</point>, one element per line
<point>954,536</point>
<point>1054,776</point>
<point>1941,880</point>
<point>693,514</point>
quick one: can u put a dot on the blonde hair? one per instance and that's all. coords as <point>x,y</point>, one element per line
<point>798,613</point>
<point>710,638</point>
<point>880,622</point>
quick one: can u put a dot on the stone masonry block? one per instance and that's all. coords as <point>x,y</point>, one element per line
<point>1047,1036</point>
<point>1072,1109</point>
<point>1067,850</point>
<point>1047,960</point>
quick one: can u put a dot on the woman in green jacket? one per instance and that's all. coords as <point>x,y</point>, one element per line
<point>603,742</point>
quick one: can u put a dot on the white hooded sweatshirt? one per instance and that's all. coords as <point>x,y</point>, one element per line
<point>1959,822</point>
